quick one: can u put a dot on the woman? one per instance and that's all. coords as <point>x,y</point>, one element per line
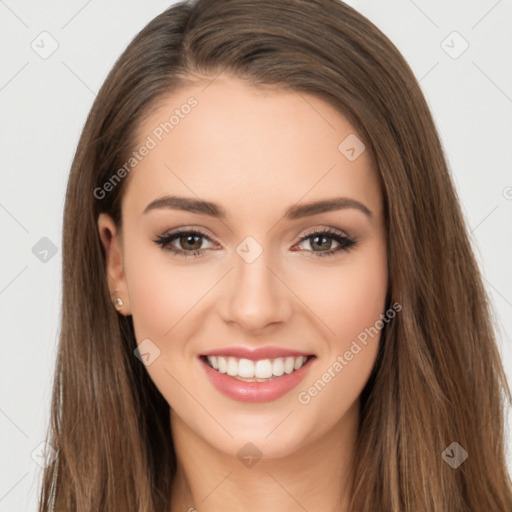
<point>269,296</point>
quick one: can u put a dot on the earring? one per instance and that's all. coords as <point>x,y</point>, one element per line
<point>118,303</point>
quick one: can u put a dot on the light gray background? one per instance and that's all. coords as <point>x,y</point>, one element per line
<point>44,103</point>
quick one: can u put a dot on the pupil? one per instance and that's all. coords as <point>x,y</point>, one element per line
<point>322,238</point>
<point>187,238</point>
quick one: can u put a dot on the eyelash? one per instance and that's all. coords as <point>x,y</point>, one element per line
<point>346,244</point>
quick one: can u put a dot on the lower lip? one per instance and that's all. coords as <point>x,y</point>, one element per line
<point>256,392</point>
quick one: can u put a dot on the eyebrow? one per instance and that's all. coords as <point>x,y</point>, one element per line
<point>294,212</point>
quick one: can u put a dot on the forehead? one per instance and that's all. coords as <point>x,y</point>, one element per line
<point>242,146</point>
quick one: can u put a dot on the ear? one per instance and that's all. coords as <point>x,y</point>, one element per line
<point>112,243</point>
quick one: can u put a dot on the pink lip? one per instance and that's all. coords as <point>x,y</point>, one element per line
<point>255,353</point>
<point>256,392</point>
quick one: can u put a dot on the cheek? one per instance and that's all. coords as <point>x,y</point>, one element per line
<point>163,297</point>
<point>360,300</point>
<point>350,298</point>
<point>352,311</point>
<point>161,292</point>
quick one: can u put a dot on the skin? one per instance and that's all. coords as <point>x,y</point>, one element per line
<point>255,152</point>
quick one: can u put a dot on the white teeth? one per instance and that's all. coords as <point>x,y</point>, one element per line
<point>246,368</point>
<point>261,369</point>
<point>223,364</point>
<point>232,367</point>
<point>278,367</point>
<point>289,364</point>
<point>298,363</point>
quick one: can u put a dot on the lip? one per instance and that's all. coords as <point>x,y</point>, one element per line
<point>255,354</point>
<point>255,392</point>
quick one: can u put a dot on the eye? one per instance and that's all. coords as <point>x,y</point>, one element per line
<point>191,242</point>
<point>321,238</point>
<point>188,239</point>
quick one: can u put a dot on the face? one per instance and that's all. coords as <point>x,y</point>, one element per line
<point>255,271</point>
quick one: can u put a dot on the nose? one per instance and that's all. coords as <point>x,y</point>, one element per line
<point>257,296</point>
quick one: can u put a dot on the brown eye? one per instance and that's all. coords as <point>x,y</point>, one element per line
<point>191,241</point>
<point>188,243</point>
<point>321,242</point>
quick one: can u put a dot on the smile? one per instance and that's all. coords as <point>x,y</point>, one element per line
<point>262,370</point>
<point>253,379</point>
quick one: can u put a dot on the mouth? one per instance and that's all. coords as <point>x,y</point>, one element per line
<point>260,370</point>
<point>256,377</point>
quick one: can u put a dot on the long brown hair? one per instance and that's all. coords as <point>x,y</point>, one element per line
<point>438,378</point>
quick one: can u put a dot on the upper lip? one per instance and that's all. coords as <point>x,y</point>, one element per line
<point>255,354</point>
